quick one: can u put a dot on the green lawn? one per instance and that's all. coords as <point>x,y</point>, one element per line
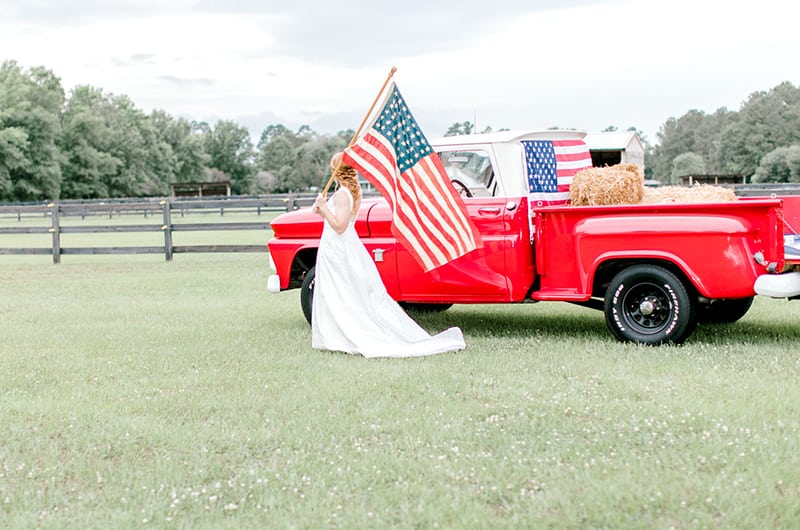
<point>136,392</point>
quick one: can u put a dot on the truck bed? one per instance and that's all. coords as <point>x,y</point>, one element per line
<point>580,248</point>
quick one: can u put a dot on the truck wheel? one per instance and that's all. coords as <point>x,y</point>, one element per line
<point>307,293</point>
<point>649,305</point>
<point>724,311</point>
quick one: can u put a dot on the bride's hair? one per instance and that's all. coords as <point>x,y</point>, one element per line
<point>347,177</point>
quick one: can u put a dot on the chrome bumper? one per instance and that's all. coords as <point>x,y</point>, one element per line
<point>783,285</point>
<point>274,283</point>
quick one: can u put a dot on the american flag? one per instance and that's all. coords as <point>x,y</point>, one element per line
<point>428,216</point>
<point>550,166</point>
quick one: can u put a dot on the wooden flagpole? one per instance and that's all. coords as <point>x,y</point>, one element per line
<point>355,136</point>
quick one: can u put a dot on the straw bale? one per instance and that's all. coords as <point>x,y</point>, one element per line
<point>703,193</point>
<point>619,184</point>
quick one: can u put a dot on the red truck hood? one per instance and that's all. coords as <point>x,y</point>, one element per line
<point>304,224</point>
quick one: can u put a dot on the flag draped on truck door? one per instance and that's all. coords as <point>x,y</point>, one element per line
<point>428,216</point>
<point>550,166</point>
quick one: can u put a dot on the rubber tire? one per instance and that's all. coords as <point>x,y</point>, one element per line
<point>724,311</point>
<point>307,293</point>
<point>674,317</point>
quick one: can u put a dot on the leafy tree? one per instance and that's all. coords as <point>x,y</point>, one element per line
<point>201,128</point>
<point>306,133</point>
<point>278,155</point>
<point>766,121</point>
<point>30,106</point>
<point>346,135</point>
<point>460,128</point>
<point>88,166</point>
<point>230,151</point>
<point>272,132</point>
<point>295,161</point>
<point>99,145</point>
<point>465,127</point>
<point>145,168</point>
<point>13,142</point>
<point>276,149</point>
<point>265,182</point>
<point>312,166</point>
<point>188,157</point>
<point>687,164</point>
<point>694,132</point>
<point>112,149</point>
<point>779,165</point>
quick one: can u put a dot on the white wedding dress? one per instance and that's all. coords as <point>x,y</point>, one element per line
<point>353,313</point>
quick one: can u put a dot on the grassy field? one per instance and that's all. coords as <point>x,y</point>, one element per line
<point>136,392</point>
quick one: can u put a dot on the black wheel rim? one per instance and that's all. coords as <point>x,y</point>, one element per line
<point>647,308</point>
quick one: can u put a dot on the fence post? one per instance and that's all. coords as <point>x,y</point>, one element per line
<point>289,202</point>
<point>167,228</point>
<point>55,230</point>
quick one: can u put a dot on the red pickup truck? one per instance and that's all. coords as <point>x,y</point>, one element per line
<point>656,270</point>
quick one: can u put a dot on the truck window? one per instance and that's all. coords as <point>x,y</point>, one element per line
<point>473,169</point>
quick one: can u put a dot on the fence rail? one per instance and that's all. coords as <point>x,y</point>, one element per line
<point>163,209</point>
<point>767,189</point>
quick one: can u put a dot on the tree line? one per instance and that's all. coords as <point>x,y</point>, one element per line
<point>92,144</point>
<point>761,140</point>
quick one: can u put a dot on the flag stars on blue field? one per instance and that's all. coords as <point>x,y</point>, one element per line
<point>540,161</point>
<point>401,129</point>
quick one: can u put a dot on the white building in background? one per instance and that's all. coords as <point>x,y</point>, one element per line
<point>618,147</point>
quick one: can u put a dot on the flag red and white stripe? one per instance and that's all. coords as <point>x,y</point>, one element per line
<point>550,166</point>
<point>428,216</point>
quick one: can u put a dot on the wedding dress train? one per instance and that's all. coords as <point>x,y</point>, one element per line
<point>353,313</point>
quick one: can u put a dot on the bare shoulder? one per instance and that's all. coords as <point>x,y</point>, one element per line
<point>341,195</point>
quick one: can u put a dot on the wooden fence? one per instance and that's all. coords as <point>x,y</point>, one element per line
<point>164,209</point>
<point>768,189</point>
<point>161,209</point>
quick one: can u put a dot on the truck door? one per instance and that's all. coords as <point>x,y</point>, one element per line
<point>479,276</point>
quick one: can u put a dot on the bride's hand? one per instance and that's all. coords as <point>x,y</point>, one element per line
<point>318,204</point>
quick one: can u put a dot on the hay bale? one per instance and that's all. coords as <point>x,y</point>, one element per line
<point>619,184</point>
<point>704,193</point>
<point>624,184</point>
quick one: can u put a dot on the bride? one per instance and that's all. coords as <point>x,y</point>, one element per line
<point>351,310</point>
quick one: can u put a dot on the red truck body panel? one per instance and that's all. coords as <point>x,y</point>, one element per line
<point>712,244</point>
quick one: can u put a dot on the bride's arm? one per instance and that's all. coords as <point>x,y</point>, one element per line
<point>339,221</point>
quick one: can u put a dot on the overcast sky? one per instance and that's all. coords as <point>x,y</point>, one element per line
<point>518,64</point>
